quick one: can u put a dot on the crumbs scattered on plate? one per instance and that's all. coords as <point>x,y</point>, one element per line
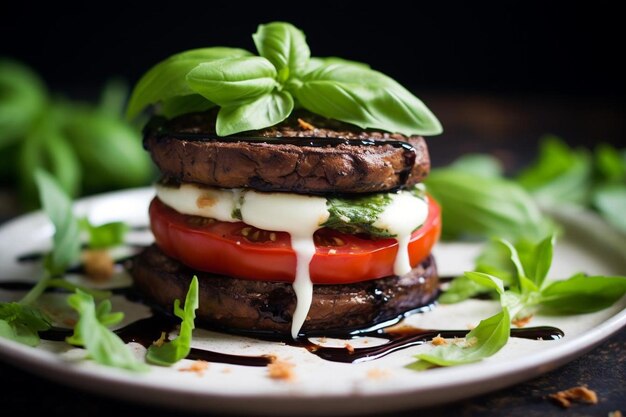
<point>281,370</point>
<point>580,394</point>
<point>378,374</point>
<point>198,367</point>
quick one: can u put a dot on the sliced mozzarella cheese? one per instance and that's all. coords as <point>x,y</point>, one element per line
<point>300,216</point>
<point>216,203</point>
<point>401,217</point>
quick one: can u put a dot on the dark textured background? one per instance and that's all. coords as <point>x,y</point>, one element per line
<point>514,46</point>
<point>461,58</point>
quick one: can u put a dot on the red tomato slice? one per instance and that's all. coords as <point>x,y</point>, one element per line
<point>243,251</point>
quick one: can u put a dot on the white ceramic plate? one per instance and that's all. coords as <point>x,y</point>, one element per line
<point>320,387</point>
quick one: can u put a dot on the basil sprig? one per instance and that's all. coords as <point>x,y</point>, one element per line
<point>483,341</point>
<point>593,179</point>
<point>255,92</point>
<point>91,332</point>
<point>166,82</point>
<point>523,266</point>
<point>524,271</point>
<point>477,202</point>
<point>23,320</point>
<point>177,349</point>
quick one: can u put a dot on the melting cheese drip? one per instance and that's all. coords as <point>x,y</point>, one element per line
<point>401,217</point>
<point>298,215</point>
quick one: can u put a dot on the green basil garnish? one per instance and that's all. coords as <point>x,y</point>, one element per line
<point>255,92</point>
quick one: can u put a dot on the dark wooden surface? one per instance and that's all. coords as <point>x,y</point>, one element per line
<point>508,128</point>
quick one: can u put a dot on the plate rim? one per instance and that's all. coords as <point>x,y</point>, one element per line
<point>48,365</point>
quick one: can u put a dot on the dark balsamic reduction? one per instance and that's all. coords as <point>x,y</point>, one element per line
<point>15,285</point>
<point>311,141</point>
<point>146,331</point>
<point>408,337</point>
<point>244,360</point>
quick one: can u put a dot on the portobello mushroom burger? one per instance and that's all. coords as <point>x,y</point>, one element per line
<point>291,187</point>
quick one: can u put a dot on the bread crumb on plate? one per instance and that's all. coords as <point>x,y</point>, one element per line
<point>377,374</point>
<point>580,394</point>
<point>438,341</point>
<point>99,265</point>
<point>281,370</point>
<point>197,366</point>
<point>522,321</point>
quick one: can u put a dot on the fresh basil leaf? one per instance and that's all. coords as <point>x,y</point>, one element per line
<point>284,46</point>
<point>260,113</point>
<point>366,98</point>
<point>167,79</point>
<point>22,100</point>
<point>519,305</point>
<point>192,103</point>
<point>22,323</point>
<point>582,294</point>
<point>177,349</point>
<point>109,150</point>
<point>232,81</point>
<point>105,235</point>
<point>560,174</point>
<point>487,281</point>
<point>357,215</point>
<point>610,165</point>
<point>64,163</point>
<point>478,206</point>
<point>483,341</point>
<point>19,333</point>
<point>536,258</point>
<point>524,284</point>
<point>58,207</point>
<point>66,239</point>
<point>512,301</point>
<point>495,259</point>
<point>461,288</point>
<point>610,201</point>
<point>478,164</point>
<point>45,147</point>
<point>71,287</point>
<point>91,332</point>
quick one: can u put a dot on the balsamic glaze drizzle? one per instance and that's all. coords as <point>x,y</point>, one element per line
<point>146,331</point>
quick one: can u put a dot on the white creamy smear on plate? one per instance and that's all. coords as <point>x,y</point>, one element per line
<point>300,216</point>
